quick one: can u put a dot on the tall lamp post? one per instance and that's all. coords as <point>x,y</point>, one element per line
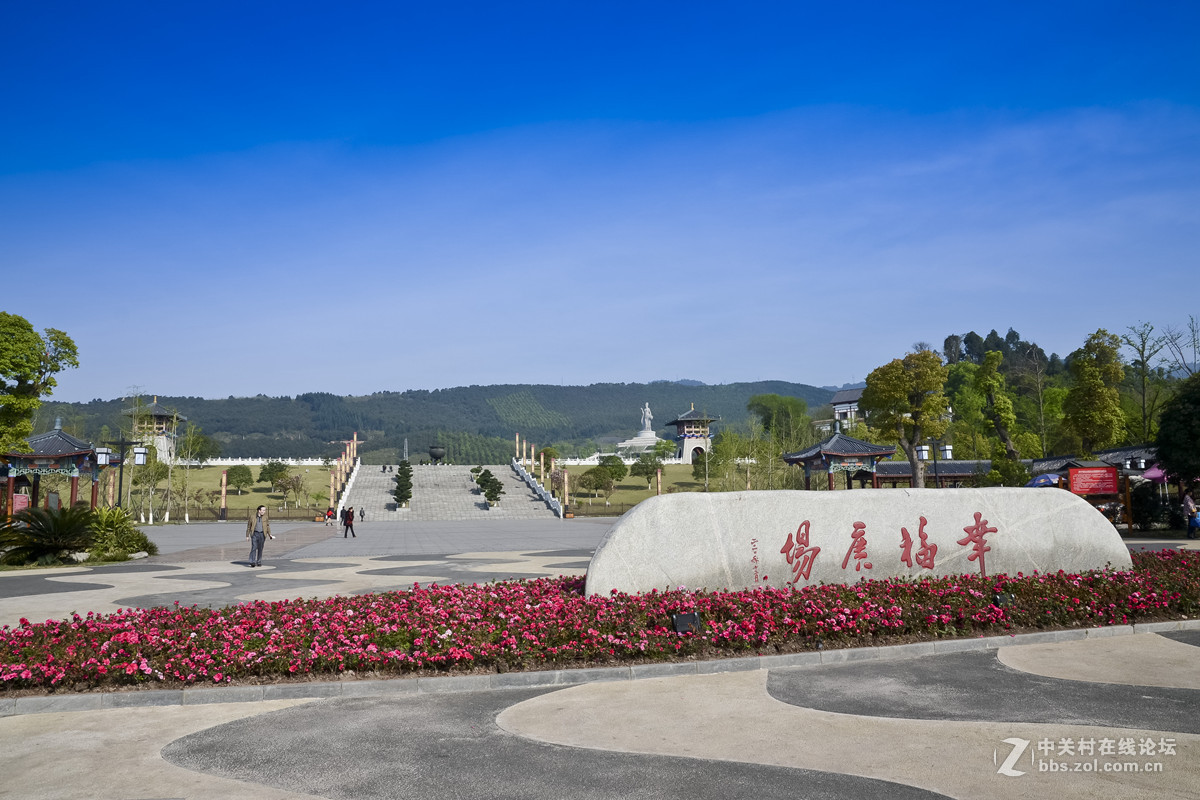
<point>104,456</point>
<point>947,451</point>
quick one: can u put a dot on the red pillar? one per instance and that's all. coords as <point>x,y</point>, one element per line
<point>74,489</point>
<point>12,488</point>
<point>95,492</point>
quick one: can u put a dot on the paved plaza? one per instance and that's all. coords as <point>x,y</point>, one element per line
<point>1044,715</point>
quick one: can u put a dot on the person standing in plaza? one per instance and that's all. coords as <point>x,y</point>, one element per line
<point>1189,510</point>
<point>329,518</point>
<point>348,521</point>
<point>258,530</point>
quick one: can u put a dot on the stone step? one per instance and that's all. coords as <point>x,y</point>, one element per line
<point>444,493</point>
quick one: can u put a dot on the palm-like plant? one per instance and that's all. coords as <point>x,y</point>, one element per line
<point>45,536</point>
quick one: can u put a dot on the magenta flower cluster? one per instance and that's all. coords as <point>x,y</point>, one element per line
<point>550,623</point>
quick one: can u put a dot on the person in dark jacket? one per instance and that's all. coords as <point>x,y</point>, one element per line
<point>258,530</point>
<point>348,521</point>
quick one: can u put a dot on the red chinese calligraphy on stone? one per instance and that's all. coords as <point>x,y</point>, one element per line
<point>975,538</point>
<point>925,553</point>
<point>799,555</point>
<point>858,548</point>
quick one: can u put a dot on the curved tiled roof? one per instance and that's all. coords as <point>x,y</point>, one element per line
<point>693,416</point>
<point>55,443</point>
<point>840,445</point>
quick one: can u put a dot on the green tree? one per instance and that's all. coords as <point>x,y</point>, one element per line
<point>146,479</point>
<point>490,485</point>
<point>239,477</point>
<point>28,363</point>
<point>998,404</point>
<point>1178,438</point>
<point>646,466</point>
<point>597,479</point>
<point>271,472</point>
<point>404,484</point>
<point>905,398</point>
<point>704,468</point>
<point>778,414</point>
<point>664,449</point>
<point>194,449</point>
<point>615,466</point>
<point>1092,410</point>
<point>970,429</point>
<point>1149,378</point>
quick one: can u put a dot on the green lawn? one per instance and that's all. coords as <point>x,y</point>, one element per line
<point>631,491</point>
<point>316,482</point>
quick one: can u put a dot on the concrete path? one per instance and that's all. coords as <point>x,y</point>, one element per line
<point>1012,717</point>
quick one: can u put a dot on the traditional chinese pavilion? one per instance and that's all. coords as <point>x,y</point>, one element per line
<point>53,453</point>
<point>693,436</point>
<point>157,424</point>
<point>841,453</point>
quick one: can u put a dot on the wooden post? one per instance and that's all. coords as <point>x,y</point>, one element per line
<point>74,489</point>
<point>516,445</point>
<point>8,504</point>
<point>332,491</point>
<point>566,487</point>
<point>542,467</point>
<point>659,474</point>
<point>224,488</point>
<point>95,491</point>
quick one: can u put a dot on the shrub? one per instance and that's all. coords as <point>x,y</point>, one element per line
<point>1148,508</point>
<point>46,536</point>
<point>116,536</point>
<point>490,485</point>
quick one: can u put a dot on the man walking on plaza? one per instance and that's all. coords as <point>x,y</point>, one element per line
<point>258,530</point>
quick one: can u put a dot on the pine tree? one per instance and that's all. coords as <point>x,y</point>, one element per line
<point>404,484</point>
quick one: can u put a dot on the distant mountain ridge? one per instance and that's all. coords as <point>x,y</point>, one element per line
<point>308,423</point>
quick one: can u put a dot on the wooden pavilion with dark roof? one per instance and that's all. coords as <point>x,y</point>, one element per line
<point>841,453</point>
<point>53,453</point>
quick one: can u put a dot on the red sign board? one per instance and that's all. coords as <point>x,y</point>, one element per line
<point>1094,480</point>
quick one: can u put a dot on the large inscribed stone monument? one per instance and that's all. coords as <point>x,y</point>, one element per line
<point>735,540</point>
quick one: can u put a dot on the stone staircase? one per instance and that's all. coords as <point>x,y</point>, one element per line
<point>443,493</point>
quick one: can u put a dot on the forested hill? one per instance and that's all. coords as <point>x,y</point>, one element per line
<point>476,421</point>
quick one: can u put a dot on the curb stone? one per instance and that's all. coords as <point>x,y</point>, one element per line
<point>48,704</point>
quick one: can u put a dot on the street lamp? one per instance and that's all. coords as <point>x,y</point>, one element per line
<point>104,456</point>
<point>946,450</point>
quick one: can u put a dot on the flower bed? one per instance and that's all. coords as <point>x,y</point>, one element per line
<point>549,623</point>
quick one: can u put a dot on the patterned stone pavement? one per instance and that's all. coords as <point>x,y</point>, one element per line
<point>207,565</point>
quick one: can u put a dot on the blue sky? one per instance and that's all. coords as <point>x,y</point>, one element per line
<point>222,199</point>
